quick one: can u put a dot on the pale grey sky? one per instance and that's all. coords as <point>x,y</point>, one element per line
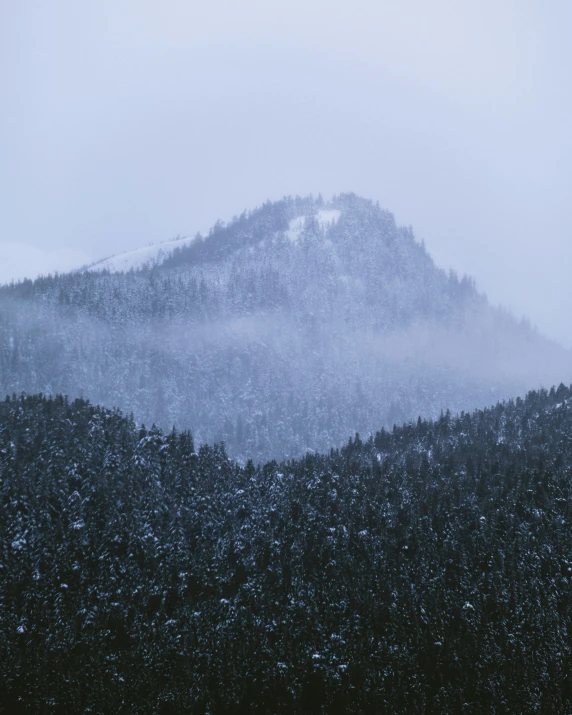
<point>126,122</point>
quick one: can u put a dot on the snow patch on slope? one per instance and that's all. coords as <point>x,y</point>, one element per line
<point>295,228</point>
<point>153,255</point>
<point>325,219</point>
<point>140,257</point>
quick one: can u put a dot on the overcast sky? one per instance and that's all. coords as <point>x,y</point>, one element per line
<point>125,122</point>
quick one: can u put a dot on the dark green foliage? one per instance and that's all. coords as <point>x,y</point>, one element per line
<point>425,570</point>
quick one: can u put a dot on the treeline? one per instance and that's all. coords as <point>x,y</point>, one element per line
<point>427,569</point>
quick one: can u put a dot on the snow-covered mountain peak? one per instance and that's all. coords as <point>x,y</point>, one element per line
<point>273,346</point>
<point>157,254</point>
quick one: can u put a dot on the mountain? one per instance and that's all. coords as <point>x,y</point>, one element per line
<point>426,569</point>
<point>288,329</point>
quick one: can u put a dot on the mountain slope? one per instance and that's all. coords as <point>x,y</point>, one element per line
<point>286,330</point>
<point>145,257</point>
<point>427,569</point>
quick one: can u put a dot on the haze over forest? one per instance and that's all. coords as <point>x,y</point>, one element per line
<point>298,324</point>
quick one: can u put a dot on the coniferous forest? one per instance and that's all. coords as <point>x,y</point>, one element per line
<point>269,453</point>
<point>426,569</point>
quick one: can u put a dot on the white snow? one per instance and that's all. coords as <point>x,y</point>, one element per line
<point>150,255</point>
<point>325,219</point>
<point>140,257</point>
<point>295,228</point>
<point>18,544</point>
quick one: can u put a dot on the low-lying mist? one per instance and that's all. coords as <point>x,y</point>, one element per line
<point>276,343</point>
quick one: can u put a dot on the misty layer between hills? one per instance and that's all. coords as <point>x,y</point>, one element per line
<point>289,329</point>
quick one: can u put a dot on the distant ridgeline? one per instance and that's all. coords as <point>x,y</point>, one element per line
<point>287,330</point>
<point>427,569</point>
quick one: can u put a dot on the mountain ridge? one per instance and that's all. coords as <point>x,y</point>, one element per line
<point>275,335</point>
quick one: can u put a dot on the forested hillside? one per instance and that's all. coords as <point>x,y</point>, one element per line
<point>427,569</point>
<point>287,330</point>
